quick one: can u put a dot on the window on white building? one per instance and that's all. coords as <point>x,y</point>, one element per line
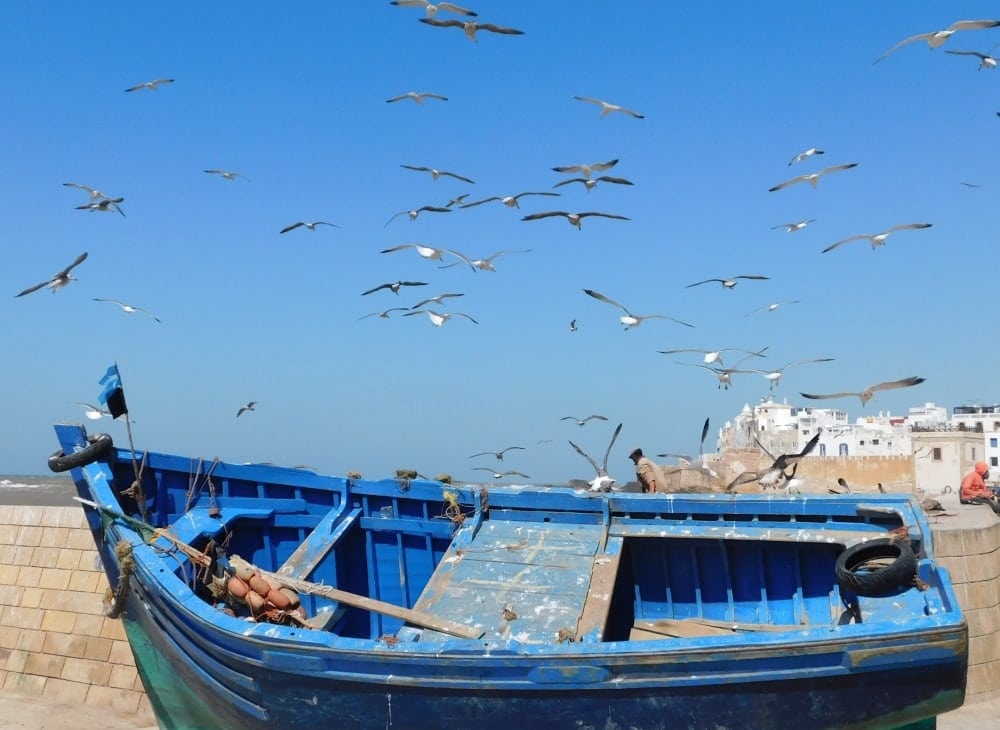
<point>874,442</point>
<point>993,461</point>
<point>822,449</point>
<point>993,442</point>
<point>936,454</point>
<point>842,450</point>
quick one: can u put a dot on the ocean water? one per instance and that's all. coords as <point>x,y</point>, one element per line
<point>47,490</point>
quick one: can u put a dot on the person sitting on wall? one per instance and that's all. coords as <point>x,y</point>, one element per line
<point>974,489</point>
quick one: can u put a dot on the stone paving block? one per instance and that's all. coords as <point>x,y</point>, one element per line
<point>64,691</point>
<point>8,573</point>
<point>28,576</point>
<point>98,649</point>
<point>121,653</point>
<point>15,660</point>
<point>88,625</point>
<point>68,559</point>
<point>120,700</point>
<point>45,557</point>
<point>85,582</point>
<point>955,567</point>
<point>29,536</point>
<point>32,597</point>
<point>61,621</point>
<point>6,552</point>
<point>113,629</point>
<point>86,670</point>
<point>65,645</point>
<point>981,594</point>
<point>123,677</point>
<point>55,537</point>
<point>22,618</point>
<point>31,640</point>
<point>10,595</point>
<point>45,665</point>
<point>980,568</point>
<point>9,636</point>
<point>54,578</point>
<point>80,540</point>
<point>22,555</point>
<point>23,684</point>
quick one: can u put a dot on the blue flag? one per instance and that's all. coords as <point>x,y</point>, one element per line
<point>112,396</point>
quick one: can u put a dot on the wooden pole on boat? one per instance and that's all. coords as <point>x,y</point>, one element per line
<point>417,618</point>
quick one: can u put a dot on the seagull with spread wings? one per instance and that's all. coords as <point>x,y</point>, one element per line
<point>796,226</point>
<point>937,38</point>
<point>417,96</point>
<point>602,482</point>
<point>228,174</point>
<point>311,225</point>
<point>509,200</point>
<point>93,193</point>
<point>712,356</point>
<point>435,173</point>
<point>701,447</point>
<point>412,214</point>
<point>729,283</point>
<point>575,219</point>
<point>151,85</point>
<point>985,60</point>
<point>868,393</point>
<point>591,183</point>
<point>497,454</point>
<point>772,306</point>
<point>394,287</point>
<point>105,205</point>
<point>439,318</point>
<point>501,474</point>
<point>607,107</point>
<point>877,239</point>
<point>774,376</point>
<point>813,177</point>
<point>776,474</point>
<point>247,407</point>
<point>432,8</point>
<point>481,264</point>
<point>92,412</point>
<point>628,319</point>
<point>58,280</point>
<point>384,314</point>
<point>438,299</point>
<point>425,252</point>
<point>805,154</point>
<point>724,375</point>
<point>471,27</point>
<point>129,309</point>
<point>587,170</point>
<point>583,421</point>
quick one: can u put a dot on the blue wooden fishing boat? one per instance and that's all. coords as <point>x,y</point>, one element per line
<point>256,596</point>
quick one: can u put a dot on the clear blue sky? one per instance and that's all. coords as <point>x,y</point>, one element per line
<point>294,98</point>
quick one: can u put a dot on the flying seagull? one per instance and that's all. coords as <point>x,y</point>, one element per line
<point>937,38</point>
<point>591,183</point>
<point>877,239</point>
<point>812,178</point>
<point>311,225</point>
<point>772,306</point>
<point>435,173</point>
<point>94,413</point>
<point>426,252</point>
<point>228,174</point>
<point>728,283</point>
<point>498,454</point>
<point>701,446</point>
<point>470,27</point>
<point>384,314</point>
<point>587,170</point>
<point>394,287</point>
<point>417,211</point>
<point>129,309</point>
<point>509,200</point>
<point>775,474</point>
<point>439,299</point>
<point>481,264</point>
<point>867,394</point>
<point>713,356</point>
<point>94,193</point>
<point>583,421</point>
<point>774,376</point>
<point>607,107</point>
<point>602,482</point>
<point>985,60</point>
<point>572,325</point>
<point>501,474</point>
<point>724,375</point>
<point>58,280</point>
<point>628,319</point>
<point>806,153</point>
<point>432,9</point>
<point>417,96</point>
<point>796,226</point>
<point>575,219</point>
<point>103,206</point>
<point>151,85</point>
<point>249,406</point>
<point>439,318</point>
<point>457,200</point>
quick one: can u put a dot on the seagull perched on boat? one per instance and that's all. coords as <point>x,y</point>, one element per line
<point>129,309</point>
<point>417,211</point>
<point>608,107</point>
<point>796,226</point>
<point>712,356</point>
<point>58,280</point>
<point>774,376</point>
<point>311,225</point>
<point>936,38</point>
<point>583,421</point>
<point>501,474</point>
<point>812,178</point>
<point>587,170</point>
<point>395,286</point>
<point>439,299</point>
<point>417,96</point>
<point>628,319</point>
<point>435,173</point>
<point>877,239</point>
<point>602,482</point>
<point>151,85</point>
<point>104,205</point>
<point>497,454</point>
<point>228,174</point>
<point>94,413</point>
<point>432,8</point>
<point>985,60</point>
<point>481,264</point>
<point>384,314</point>
<point>805,154</point>
<point>868,393</point>
<point>471,27</point>
<point>575,219</point>
<point>591,183</point>
<point>775,474</point>
<point>426,252</point>
<point>509,200</point>
<point>439,318</point>
<point>729,283</point>
<point>248,406</point>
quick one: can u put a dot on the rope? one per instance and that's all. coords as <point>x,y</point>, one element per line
<point>115,600</point>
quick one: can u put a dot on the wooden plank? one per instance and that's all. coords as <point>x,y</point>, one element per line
<point>804,534</point>
<point>604,572</point>
<point>713,626</point>
<point>319,542</point>
<point>417,618</point>
<point>680,628</point>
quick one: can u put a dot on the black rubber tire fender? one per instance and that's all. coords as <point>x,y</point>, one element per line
<point>854,577</point>
<point>96,448</point>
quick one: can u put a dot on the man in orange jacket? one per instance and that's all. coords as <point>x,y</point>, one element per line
<point>974,489</point>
